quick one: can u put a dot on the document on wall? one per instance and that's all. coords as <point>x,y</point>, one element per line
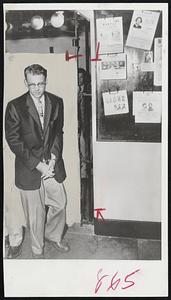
<point>115,103</point>
<point>142,29</point>
<point>158,61</point>
<point>147,107</point>
<point>110,35</point>
<point>148,64</point>
<point>113,66</point>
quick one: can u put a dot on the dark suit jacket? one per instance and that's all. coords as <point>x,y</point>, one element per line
<point>30,143</point>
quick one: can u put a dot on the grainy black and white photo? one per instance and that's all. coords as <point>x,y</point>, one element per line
<point>85,105</point>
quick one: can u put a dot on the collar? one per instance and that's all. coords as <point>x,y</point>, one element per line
<point>35,99</point>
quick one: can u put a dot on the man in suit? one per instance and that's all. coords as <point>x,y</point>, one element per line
<point>34,132</point>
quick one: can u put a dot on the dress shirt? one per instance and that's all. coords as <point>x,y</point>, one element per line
<point>37,104</point>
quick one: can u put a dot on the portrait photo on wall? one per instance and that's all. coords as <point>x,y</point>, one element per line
<point>138,22</point>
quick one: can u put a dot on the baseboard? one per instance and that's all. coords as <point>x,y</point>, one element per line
<point>129,229</point>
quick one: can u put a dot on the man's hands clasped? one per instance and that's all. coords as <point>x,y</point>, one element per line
<point>47,170</point>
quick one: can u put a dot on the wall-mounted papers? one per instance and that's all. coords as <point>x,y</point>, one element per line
<point>147,65</point>
<point>115,103</point>
<point>158,61</point>
<point>142,29</point>
<point>113,66</point>
<point>147,107</point>
<point>110,35</point>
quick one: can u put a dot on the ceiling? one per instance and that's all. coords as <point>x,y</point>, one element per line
<point>19,24</point>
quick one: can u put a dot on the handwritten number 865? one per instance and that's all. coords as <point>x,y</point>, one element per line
<point>115,282</point>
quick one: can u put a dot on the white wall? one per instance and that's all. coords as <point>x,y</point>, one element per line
<point>60,45</point>
<point>127,180</point>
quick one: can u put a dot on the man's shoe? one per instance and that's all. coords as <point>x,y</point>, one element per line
<point>13,252</point>
<point>37,256</point>
<point>59,246</point>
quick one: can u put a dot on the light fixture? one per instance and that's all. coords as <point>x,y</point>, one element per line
<point>8,26</point>
<point>37,22</point>
<point>5,25</point>
<point>57,19</point>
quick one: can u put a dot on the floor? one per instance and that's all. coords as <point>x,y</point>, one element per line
<point>86,245</point>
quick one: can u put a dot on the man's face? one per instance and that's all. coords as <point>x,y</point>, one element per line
<point>80,79</point>
<point>36,84</point>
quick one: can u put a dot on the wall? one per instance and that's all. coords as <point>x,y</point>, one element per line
<point>60,44</point>
<point>128,180</point>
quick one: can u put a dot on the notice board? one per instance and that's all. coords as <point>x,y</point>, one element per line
<point>139,66</point>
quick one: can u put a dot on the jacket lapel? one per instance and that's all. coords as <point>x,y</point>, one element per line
<point>32,110</point>
<point>48,109</point>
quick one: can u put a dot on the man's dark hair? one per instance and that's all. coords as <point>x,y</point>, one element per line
<point>82,71</point>
<point>35,70</point>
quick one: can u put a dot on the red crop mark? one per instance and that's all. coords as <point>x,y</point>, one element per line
<point>97,53</point>
<point>76,56</point>
<point>99,215</point>
<point>68,56</point>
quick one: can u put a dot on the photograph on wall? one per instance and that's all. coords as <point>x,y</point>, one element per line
<point>82,216</point>
<point>148,57</point>
<point>147,107</point>
<point>115,103</point>
<point>110,35</point>
<point>113,66</point>
<point>142,29</point>
<point>148,64</point>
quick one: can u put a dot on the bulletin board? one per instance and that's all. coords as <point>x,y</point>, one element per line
<point>138,77</point>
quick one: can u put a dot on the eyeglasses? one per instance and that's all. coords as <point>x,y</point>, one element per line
<point>39,85</point>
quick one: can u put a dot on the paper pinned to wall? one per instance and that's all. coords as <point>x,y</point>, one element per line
<point>148,64</point>
<point>113,66</point>
<point>110,35</point>
<point>142,29</point>
<point>147,107</point>
<point>158,61</point>
<point>115,103</point>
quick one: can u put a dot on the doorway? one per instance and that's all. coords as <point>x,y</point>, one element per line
<point>84,108</point>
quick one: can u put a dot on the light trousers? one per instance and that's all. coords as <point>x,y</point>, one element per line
<point>50,226</point>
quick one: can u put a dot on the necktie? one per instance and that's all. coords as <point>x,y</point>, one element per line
<point>40,108</point>
<point>40,111</point>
